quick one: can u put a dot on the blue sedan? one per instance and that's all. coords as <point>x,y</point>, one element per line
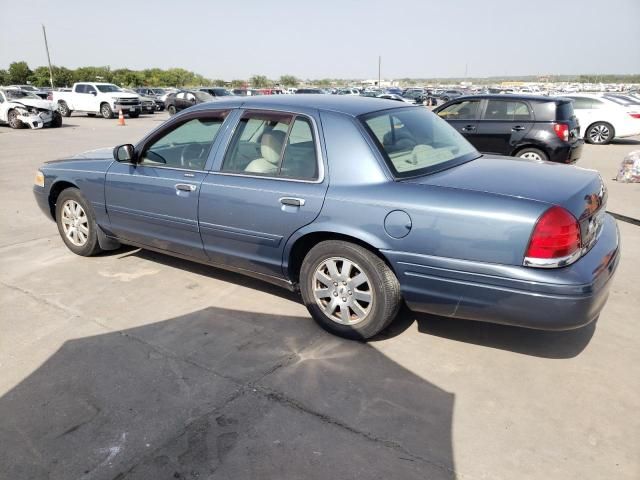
<point>358,203</point>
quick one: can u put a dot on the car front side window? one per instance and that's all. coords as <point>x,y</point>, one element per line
<point>186,146</point>
<point>465,110</point>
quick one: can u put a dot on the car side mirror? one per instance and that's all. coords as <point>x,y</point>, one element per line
<point>125,153</point>
<point>94,93</point>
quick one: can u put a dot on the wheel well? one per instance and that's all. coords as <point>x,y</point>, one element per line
<point>305,243</point>
<point>55,192</point>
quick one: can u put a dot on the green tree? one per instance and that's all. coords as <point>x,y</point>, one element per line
<point>4,77</point>
<point>218,82</point>
<point>259,81</point>
<point>238,83</point>
<point>40,77</point>
<point>62,77</point>
<point>288,81</point>
<point>19,72</point>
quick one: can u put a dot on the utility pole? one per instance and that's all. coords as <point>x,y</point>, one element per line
<point>379,69</point>
<point>46,46</point>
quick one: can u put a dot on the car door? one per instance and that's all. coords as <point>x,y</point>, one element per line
<point>463,116</point>
<point>81,97</point>
<point>503,125</point>
<point>155,202</point>
<point>268,183</point>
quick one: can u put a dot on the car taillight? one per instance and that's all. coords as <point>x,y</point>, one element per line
<point>635,115</point>
<point>555,241</point>
<point>562,131</point>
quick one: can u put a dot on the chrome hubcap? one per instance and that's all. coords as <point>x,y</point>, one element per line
<point>599,134</point>
<point>531,155</point>
<point>75,223</point>
<point>342,290</point>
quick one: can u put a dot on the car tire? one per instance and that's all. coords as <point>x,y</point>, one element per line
<point>13,120</point>
<point>105,111</point>
<point>171,109</point>
<point>445,99</point>
<point>77,223</point>
<point>533,154</point>
<point>357,303</point>
<point>56,121</point>
<point>600,133</point>
<point>134,114</point>
<point>64,110</point>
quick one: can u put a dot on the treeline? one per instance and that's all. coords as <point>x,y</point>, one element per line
<point>19,73</point>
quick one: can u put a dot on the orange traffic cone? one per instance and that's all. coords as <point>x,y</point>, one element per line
<point>121,118</point>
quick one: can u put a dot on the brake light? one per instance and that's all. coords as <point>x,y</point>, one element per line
<point>635,115</point>
<point>562,131</point>
<point>555,240</point>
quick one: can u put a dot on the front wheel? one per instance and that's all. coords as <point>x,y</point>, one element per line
<point>105,111</point>
<point>171,109</point>
<point>349,290</point>
<point>600,133</point>
<point>14,122</point>
<point>56,121</point>
<point>533,154</point>
<point>76,223</point>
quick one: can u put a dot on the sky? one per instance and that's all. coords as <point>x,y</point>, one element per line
<point>329,39</point>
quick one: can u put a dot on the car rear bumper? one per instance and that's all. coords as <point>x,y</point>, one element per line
<point>554,299</point>
<point>567,152</point>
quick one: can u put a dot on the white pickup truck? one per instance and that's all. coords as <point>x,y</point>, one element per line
<point>92,98</point>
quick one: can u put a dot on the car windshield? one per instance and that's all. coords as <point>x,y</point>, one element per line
<point>622,100</point>
<point>108,88</point>
<point>203,96</point>
<point>158,91</point>
<point>28,88</point>
<point>221,92</point>
<point>415,142</point>
<point>18,94</point>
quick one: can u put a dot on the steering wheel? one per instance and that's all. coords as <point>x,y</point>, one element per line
<point>190,153</point>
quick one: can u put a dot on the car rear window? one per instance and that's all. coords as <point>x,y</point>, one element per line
<point>564,111</point>
<point>414,141</point>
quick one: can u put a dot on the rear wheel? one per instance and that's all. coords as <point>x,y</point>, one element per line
<point>600,133</point>
<point>76,223</point>
<point>533,154</point>
<point>64,110</point>
<point>348,290</point>
<point>14,122</point>
<point>105,111</point>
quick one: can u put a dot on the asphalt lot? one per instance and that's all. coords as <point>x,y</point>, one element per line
<point>140,366</point>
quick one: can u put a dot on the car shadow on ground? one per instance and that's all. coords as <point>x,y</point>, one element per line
<point>221,393</point>
<point>565,344</point>
<point>526,341</point>
<point>625,141</point>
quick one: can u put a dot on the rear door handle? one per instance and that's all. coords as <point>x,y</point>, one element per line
<point>518,128</point>
<point>468,128</point>
<point>291,201</point>
<point>185,187</point>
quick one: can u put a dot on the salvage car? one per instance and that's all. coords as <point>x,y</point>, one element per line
<point>358,203</point>
<point>19,108</point>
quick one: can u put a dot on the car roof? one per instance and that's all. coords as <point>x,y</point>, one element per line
<point>351,105</point>
<point>511,96</point>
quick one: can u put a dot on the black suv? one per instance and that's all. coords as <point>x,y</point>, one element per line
<point>528,126</point>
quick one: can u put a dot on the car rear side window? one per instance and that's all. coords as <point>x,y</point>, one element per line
<point>507,110</point>
<point>273,144</point>
<point>466,110</point>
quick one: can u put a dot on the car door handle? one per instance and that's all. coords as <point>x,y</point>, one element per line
<point>185,187</point>
<point>468,128</point>
<point>293,202</point>
<point>518,128</point>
